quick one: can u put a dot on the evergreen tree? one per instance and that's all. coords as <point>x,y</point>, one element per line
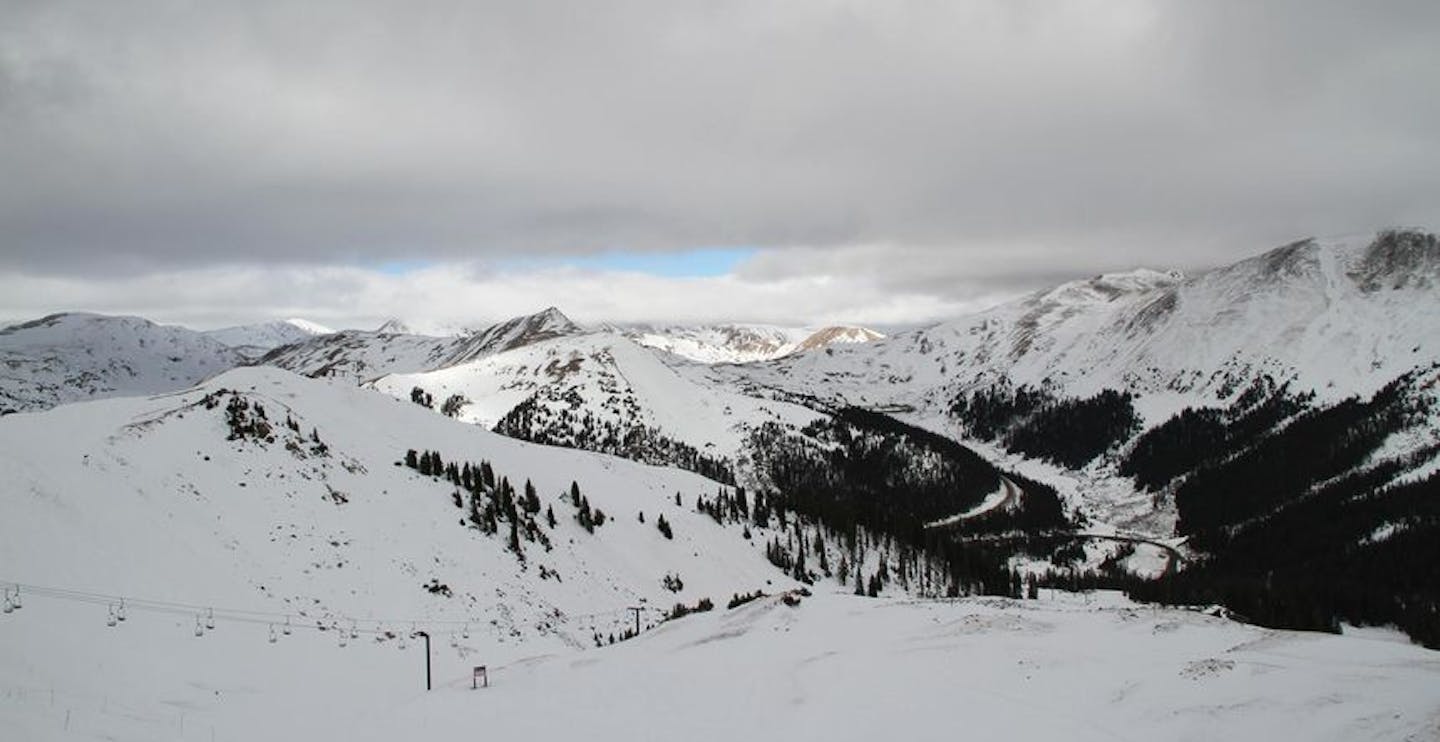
<point>532,500</point>
<point>515,538</point>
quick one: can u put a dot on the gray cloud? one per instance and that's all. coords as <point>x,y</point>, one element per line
<point>1003,143</point>
<point>451,296</point>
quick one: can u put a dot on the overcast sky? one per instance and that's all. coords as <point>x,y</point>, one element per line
<point>809,161</point>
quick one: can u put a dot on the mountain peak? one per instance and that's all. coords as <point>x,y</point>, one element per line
<point>1106,287</point>
<point>552,317</point>
<point>837,335</point>
<point>1397,259</point>
<point>314,328</point>
<point>394,326</point>
<point>513,333</point>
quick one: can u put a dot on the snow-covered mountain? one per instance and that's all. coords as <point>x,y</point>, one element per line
<point>836,334</point>
<point>362,356</point>
<point>732,343</point>
<point>581,390</point>
<point>1314,322</point>
<point>395,326</point>
<point>68,357</point>
<point>717,343</point>
<point>515,333</point>
<point>1338,317</point>
<point>258,339</point>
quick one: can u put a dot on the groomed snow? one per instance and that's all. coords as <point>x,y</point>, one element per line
<point>836,667</point>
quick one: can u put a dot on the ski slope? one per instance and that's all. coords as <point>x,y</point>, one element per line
<point>1081,667</point>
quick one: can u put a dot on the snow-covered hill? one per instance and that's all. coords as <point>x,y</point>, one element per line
<point>740,343</point>
<point>587,387</point>
<point>266,490</point>
<point>258,339</point>
<point>68,357</point>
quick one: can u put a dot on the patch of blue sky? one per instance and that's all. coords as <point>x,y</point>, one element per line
<point>698,263</point>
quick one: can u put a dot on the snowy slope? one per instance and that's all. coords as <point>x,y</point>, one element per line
<point>834,667</point>
<point>839,334</point>
<point>844,668</point>
<point>68,357</point>
<point>258,339</point>
<point>395,326</point>
<point>1338,317</point>
<point>363,356</point>
<point>610,380</point>
<point>358,355</point>
<point>146,500</point>
<point>150,497</point>
<point>729,343</point>
<point>514,333</point>
<point>734,343</point>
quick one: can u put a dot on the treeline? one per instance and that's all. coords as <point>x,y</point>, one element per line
<point>1195,437</point>
<point>863,477</point>
<point>870,562</point>
<point>1302,528</point>
<point>488,502</point>
<point>1036,423</point>
<point>1258,472</point>
<point>862,469</point>
<point>1350,552</point>
<point>534,421</point>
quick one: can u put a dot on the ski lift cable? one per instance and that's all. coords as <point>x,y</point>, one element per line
<point>208,614</point>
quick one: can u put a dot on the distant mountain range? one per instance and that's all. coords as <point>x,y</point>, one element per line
<point>741,343</point>
<point>73,356</point>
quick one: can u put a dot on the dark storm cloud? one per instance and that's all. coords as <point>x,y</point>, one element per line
<point>998,141</point>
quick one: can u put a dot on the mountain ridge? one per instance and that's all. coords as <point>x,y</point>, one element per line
<point>68,357</point>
